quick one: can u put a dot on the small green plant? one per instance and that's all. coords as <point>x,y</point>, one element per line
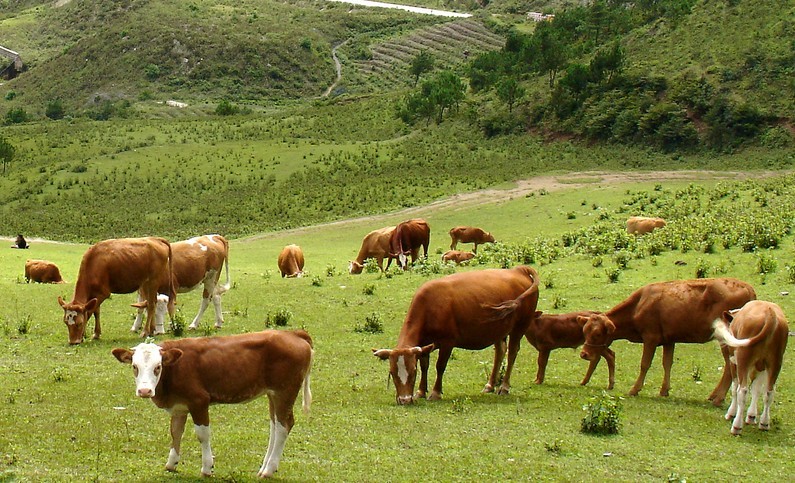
<point>372,325</point>
<point>549,282</point>
<point>571,215</point>
<point>60,374</point>
<point>280,319</point>
<point>613,274</point>
<point>177,324</point>
<point>368,289</point>
<point>602,415</point>
<point>558,302</point>
<point>206,329</point>
<point>597,262</point>
<point>790,273</point>
<point>696,374</point>
<point>555,447</point>
<point>765,263</point>
<point>331,270</point>
<point>24,325</point>
<point>317,281</point>
<point>622,259</point>
<point>460,405</point>
<point>702,268</point>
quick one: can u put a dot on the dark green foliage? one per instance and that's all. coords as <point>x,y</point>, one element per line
<point>510,91</point>
<point>7,152</point>
<point>16,115</point>
<point>372,325</point>
<point>603,415</point>
<point>436,96</point>
<point>279,319</point>
<point>55,109</point>
<point>420,64</point>
<point>226,108</point>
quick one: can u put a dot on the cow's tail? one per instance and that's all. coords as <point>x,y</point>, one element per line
<point>222,289</point>
<point>172,289</point>
<point>507,308</point>
<point>306,389</point>
<point>725,337</point>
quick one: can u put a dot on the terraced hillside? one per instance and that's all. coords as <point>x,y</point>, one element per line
<point>449,43</point>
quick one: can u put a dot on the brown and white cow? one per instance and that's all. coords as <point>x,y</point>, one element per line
<point>757,338</point>
<point>42,271</point>
<point>374,245</point>
<point>662,314</point>
<point>291,261</point>
<point>186,376</point>
<point>407,239</point>
<point>548,332</point>
<point>457,256</point>
<point>468,310</point>
<point>641,225</point>
<point>469,234</point>
<point>120,265</point>
<point>197,262</point>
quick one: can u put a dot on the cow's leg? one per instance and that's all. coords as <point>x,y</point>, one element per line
<point>499,355</point>
<point>645,364</point>
<point>200,413</point>
<point>282,420</point>
<point>441,365</point>
<point>97,325</point>
<point>425,362</point>
<point>514,341</point>
<point>591,368</point>
<point>178,420</point>
<point>668,361</point>
<point>219,315</point>
<point>543,360</point>
<point>610,357</point>
<point>380,262</point>
<point>770,390</point>
<point>756,390</point>
<point>204,304</point>
<point>718,394</point>
<point>138,317</point>
<point>475,250</point>
<point>732,410</point>
<point>741,391</point>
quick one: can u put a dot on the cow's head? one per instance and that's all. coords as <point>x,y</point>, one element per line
<point>355,268</point>
<point>148,361</point>
<point>489,238</point>
<point>403,369</point>
<point>75,316</point>
<point>597,329</point>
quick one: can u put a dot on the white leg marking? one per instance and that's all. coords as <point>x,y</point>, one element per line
<point>764,421</point>
<point>280,438</point>
<point>271,437</point>
<point>202,308</point>
<point>732,411</point>
<point>203,433</point>
<point>219,316</point>
<point>173,459</point>
<point>737,425</point>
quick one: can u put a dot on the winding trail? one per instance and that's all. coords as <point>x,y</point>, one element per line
<point>338,66</point>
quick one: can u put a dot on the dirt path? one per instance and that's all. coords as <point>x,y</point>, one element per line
<point>527,186</point>
<point>338,66</point>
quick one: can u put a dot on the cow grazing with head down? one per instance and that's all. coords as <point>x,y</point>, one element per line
<point>122,265</point>
<point>291,261</point>
<point>547,332</point>
<point>641,225</point>
<point>662,314</point>
<point>407,239</point>
<point>186,376</point>
<point>374,245</point>
<point>20,242</point>
<point>757,339</point>
<point>42,271</point>
<point>469,310</point>
<point>197,262</point>
<point>469,234</point>
<point>457,256</point>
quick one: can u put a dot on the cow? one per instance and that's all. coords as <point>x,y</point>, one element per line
<point>469,234</point>
<point>197,262</point>
<point>42,271</point>
<point>407,238</point>
<point>468,310</point>
<point>641,225</point>
<point>756,336</point>
<point>291,261</point>
<point>374,245</point>
<point>662,314</point>
<point>119,265</point>
<point>457,256</point>
<point>186,376</point>
<point>548,332</point>
<point>20,242</point>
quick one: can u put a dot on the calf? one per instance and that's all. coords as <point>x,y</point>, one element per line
<point>469,234</point>
<point>42,271</point>
<point>291,261</point>
<point>457,256</point>
<point>641,225</point>
<point>548,332</point>
<point>757,339</point>
<point>186,376</point>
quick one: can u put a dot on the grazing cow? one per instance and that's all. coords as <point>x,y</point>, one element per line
<point>457,256</point>
<point>757,338</point>
<point>42,271</point>
<point>291,261</point>
<point>548,332</point>
<point>121,265</point>
<point>186,376</point>
<point>469,310</point>
<point>407,238</point>
<point>197,262</point>
<point>469,234</point>
<point>640,225</point>
<point>20,242</point>
<point>374,245</point>
<point>662,314</point>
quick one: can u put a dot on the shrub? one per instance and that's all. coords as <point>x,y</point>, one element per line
<point>177,324</point>
<point>280,319</point>
<point>16,115</point>
<point>702,268</point>
<point>602,415</point>
<point>54,109</point>
<point>368,289</point>
<point>372,324</point>
<point>766,263</point>
<point>613,274</point>
<point>226,108</point>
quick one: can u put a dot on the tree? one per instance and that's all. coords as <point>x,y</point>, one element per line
<point>7,152</point>
<point>437,95</point>
<point>607,62</point>
<point>420,64</point>
<point>54,109</point>
<point>509,91</point>
<point>552,52</point>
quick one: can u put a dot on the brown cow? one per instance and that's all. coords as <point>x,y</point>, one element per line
<point>291,261</point>
<point>186,376</point>
<point>757,339</point>
<point>121,265</point>
<point>469,234</point>
<point>469,310</point>
<point>548,332</point>
<point>457,256</point>
<point>197,262</point>
<point>42,271</point>
<point>374,245</point>
<point>641,225</point>
<point>20,242</point>
<point>407,238</point>
<point>662,314</point>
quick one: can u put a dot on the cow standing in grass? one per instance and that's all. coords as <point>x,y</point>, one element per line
<point>291,261</point>
<point>469,234</point>
<point>374,245</point>
<point>407,239</point>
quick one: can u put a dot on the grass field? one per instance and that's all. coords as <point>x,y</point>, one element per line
<point>70,413</point>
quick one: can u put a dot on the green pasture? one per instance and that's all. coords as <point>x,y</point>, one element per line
<point>70,413</point>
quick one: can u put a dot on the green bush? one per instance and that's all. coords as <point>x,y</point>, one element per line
<point>603,414</point>
<point>372,324</point>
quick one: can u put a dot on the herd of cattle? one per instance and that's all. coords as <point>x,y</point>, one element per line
<point>469,310</point>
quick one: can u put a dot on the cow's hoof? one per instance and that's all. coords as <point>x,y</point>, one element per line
<point>717,402</point>
<point>764,427</point>
<point>663,393</point>
<point>610,386</point>
<point>750,419</point>
<point>737,431</point>
<point>633,392</point>
<point>95,336</point>
<point>435,396</point>
<point>503,391</point>
<point>487,389</point>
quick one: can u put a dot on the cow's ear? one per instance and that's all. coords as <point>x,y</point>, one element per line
<point>539,313</point>
<point>727,317</point>
<point>428,349</point>
<point>382,354</point>
<point>582,320</point>
<point>170,356</point>
<point>123,355</point>
<point>611,327</point>
<point>60,301</point>
<point>90,305</point>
